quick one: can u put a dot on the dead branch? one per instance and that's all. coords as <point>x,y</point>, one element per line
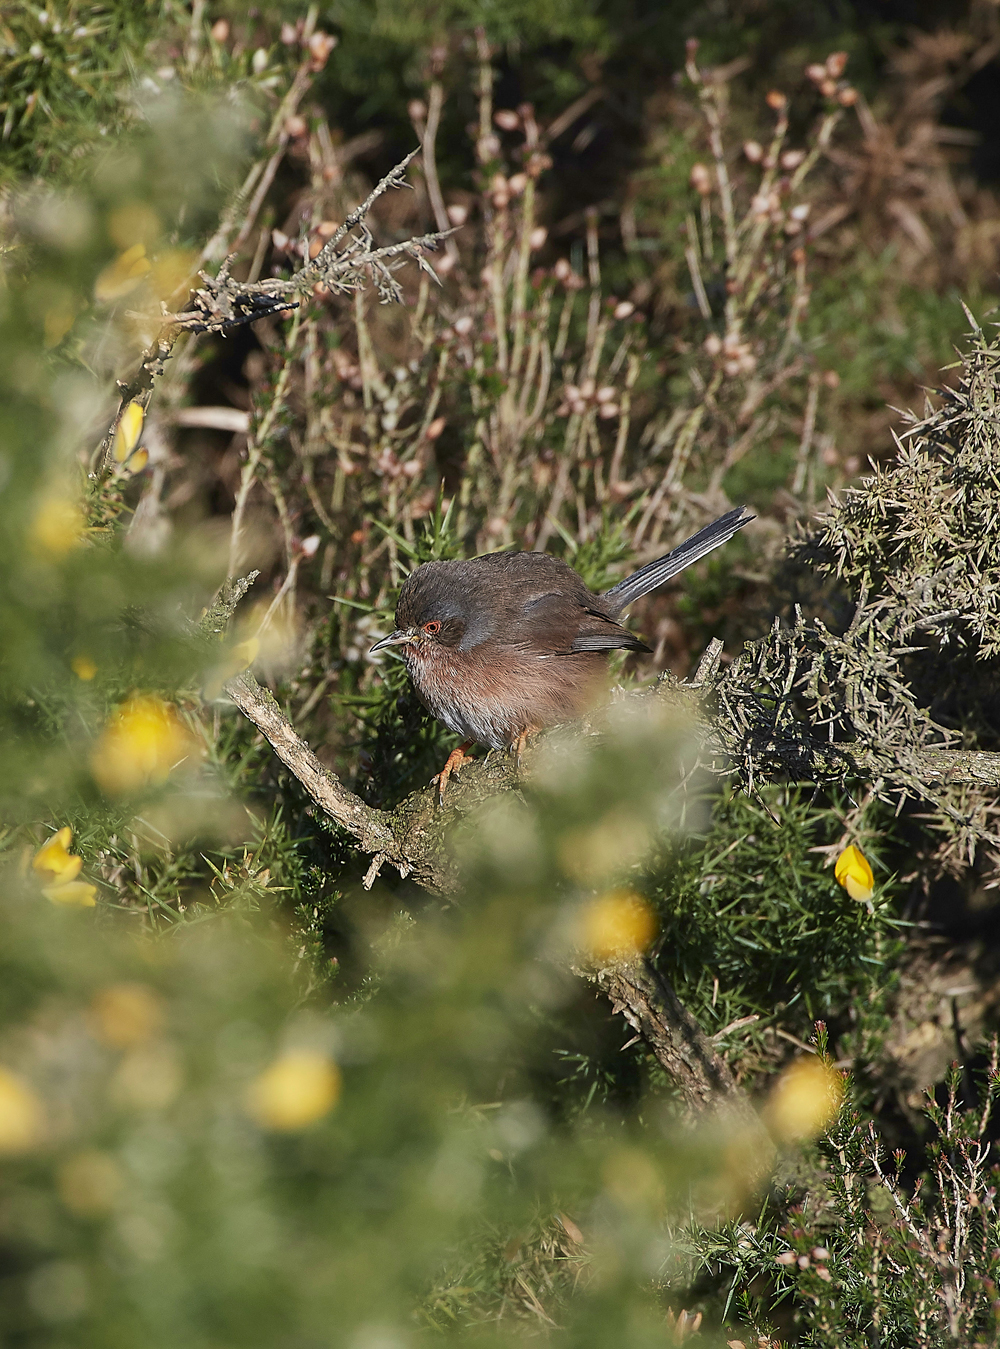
<point>348,262</point>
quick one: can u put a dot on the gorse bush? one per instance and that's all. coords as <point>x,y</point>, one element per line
<point>289,1057</point>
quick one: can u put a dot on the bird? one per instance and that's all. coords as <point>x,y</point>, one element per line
<point>503,645</point>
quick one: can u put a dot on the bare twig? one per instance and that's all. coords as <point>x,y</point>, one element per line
<point>222,303</point>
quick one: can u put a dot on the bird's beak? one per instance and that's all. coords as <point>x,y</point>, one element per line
<point>397,638</point>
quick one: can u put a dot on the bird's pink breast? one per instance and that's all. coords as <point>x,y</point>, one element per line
<point>494,697</point>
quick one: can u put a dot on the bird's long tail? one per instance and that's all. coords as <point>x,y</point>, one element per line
<point>656,573</point>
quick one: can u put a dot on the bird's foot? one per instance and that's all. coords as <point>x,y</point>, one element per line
<point>454,764</point>
<point>517,745</point>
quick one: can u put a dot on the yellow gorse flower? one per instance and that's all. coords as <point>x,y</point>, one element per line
<point>174,273</point>
<point>125,1014</point>
<point>297,1089</point>
<point>141,743</point>
<point>617,925</point>
<point>57,868</point>
<point>123,275</point>
<point>57,526</point>
<point>22,1116</point>
<point>128,431</point>
<point>854,874</point>
<point>805,1100</point>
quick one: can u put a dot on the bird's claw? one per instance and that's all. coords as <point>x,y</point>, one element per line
<point>454,764</point>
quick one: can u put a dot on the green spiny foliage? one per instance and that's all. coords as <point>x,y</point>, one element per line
<point>864,1247</point>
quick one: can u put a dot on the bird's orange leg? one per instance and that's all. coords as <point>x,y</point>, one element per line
<point>454,764</point>
<point>518,744</point>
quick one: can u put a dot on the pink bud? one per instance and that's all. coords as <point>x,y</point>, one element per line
<point>320,47</point>
<point>836,64</point>
<point>537,237</point>
<point>458,214</point>
<point>506,119</point>
<point>624,309</point>
<point>701,179</point>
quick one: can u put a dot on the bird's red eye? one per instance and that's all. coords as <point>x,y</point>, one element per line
<point>432,628</point>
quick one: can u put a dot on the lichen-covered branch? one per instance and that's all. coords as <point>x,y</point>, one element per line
<point>646,999</point>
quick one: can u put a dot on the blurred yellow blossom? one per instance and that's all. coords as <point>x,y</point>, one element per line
<point>144,739</point>
<point>806,1099</point>
<point>84,668</point>
<point>128,431</point>
<point>57,868</point>
<point>57,526</point>
<point>174,270</point>
<point>124,1015</point>
<point>297,1089</point>
<point>617,925</point>
<point>854,874</point>
<point>22,1117</point>
<point>604,847</point>
<point>134,222</point>
<point>122,276</point>
<point>149,1077</point>
<point>59,317</point>
<point>89,1182</point>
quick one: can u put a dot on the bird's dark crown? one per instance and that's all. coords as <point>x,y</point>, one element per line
<point>433,604</point>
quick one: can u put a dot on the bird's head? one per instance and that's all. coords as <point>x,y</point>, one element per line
<point>432,614</point>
